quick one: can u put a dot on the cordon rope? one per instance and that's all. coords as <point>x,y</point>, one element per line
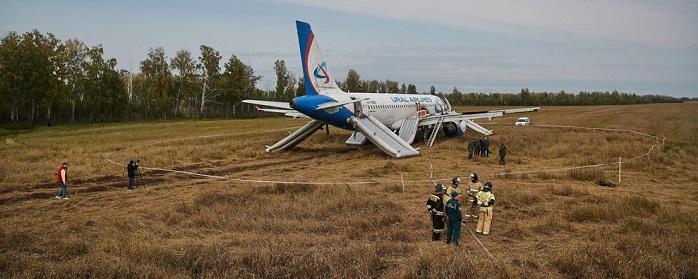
<point>432,179</point>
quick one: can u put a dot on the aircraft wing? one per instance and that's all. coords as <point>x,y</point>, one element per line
<point>457,117</point>
<point>518,110</point>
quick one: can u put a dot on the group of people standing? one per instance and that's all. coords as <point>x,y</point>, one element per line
<point>445,207</point>
<point>481,148</point>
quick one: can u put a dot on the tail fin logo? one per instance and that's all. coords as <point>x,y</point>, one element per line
<point>318,74</point>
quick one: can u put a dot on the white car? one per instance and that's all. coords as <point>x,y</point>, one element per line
<point>523,121</point>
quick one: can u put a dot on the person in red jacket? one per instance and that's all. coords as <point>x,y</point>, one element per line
<point>62,175</point>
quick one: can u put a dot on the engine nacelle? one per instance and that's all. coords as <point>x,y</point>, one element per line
<point>450,129</point>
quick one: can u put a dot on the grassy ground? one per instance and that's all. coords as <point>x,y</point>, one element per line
<point>557,224</point>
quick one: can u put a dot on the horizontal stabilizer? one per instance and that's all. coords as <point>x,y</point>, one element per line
<point>281,105</point>
<point>273,110</point>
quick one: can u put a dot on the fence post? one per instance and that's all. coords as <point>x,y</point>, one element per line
<point>403,183</point>
<point>620,162</point>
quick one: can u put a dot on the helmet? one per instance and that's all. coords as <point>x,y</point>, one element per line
<point>473,176</point>
<point>455,180</point>
<point>455,194</point>
<point>487,187</point>
<point>440,188</point>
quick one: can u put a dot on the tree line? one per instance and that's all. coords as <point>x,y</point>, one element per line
<point>45,80</point>
<point>562,98</point>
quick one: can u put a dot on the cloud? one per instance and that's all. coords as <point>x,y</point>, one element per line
<point>667,24</point>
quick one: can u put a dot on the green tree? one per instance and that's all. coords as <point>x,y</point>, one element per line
<point>28,72</point>
<point>209,68</point>
<point>74,57</point>
<point>411,89</point>
<point>300,88</point>
<point>525,95</point>
<point>353,81</point>
<point>392,86</point>
<point>238,80</point>
<point>159,82</point>
<point>185,80</point>
<point>11,74</point>
<point>283,77</point>
<point>432,90</point>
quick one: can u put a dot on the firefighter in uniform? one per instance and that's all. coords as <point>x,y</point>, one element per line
<point>435,207</point>
<point>474,187</point>
<point>485,199</point>
<point>455,182</point>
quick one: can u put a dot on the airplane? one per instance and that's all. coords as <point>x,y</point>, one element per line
<point>389,121</point>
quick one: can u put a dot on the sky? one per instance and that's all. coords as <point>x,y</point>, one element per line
<point>644,47</point>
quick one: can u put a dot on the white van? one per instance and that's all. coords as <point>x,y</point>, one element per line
<point>523,121</point>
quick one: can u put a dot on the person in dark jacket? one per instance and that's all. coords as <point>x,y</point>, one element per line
<point>435,207</point>
<point>502,154</point>
<point>478,147</point>
<point>454,219</point>
<point>131,168</point>
<point>486,148</point>
<point>471,149</point>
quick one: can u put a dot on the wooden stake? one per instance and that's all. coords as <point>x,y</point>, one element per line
<point>620,162</point>
<point>403,183</point>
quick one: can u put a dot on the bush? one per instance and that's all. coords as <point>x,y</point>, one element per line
<point>567,191</point>
<point>516,197</point>
<point>209,199</point>
<point>587,174</point>
<point>389,168</point>
<point>641,205</point>
<point>553,225</point>
<point>448,263</point>
<point>593,213</point>
<point>284,188</point>
<point>393,189</point>
<point>597,260</point>
<point>643,227</point>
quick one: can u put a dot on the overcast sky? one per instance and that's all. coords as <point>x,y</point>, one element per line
<point>647,47</point>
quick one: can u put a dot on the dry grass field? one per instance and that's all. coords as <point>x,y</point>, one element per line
<point>546,225</point>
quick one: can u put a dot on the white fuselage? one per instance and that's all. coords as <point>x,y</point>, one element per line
<point>390,109</point>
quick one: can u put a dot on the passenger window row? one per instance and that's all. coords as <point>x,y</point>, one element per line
<point>388,106</point>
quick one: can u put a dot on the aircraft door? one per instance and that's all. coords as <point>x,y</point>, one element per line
<point>448,106</point>
<point>358,108</point>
